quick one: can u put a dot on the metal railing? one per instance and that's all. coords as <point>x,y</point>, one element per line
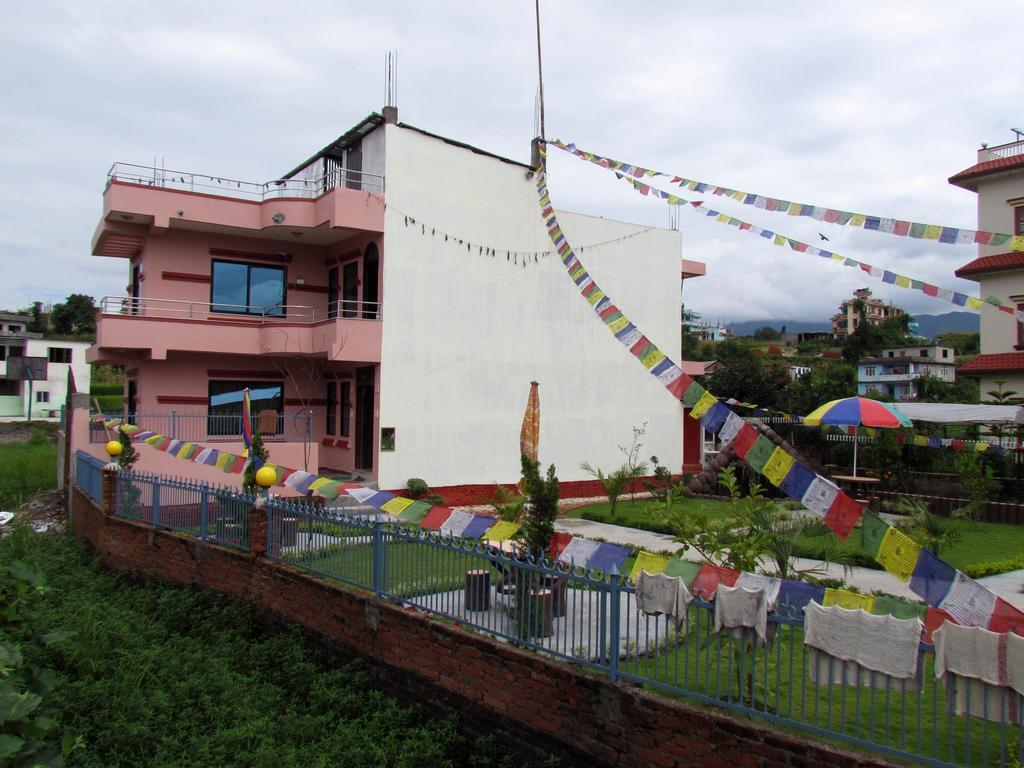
<point>294,427</point>
<point>1012,149</point>
<point>180,309</point>
<point>150,176</point>
<point>217,514</point>
<point>89,475</point>
<point>592,619</point>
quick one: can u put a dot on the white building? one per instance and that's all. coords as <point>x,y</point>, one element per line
<point>894,372</point>
<point>998,180</point>
<point>45,396</point>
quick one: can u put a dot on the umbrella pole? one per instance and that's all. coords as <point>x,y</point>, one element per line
<point>856,439</point>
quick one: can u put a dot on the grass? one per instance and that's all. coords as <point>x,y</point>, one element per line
<point>28,467</point>
<point>990,542</point>
<point>639,514</point>
<point>162,675</point>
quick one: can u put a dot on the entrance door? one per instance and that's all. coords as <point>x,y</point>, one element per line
<point>364,418</point>
<point>129,406</point>
<point>350,289</point>
<point>371,284</point>
<point>332,293</point>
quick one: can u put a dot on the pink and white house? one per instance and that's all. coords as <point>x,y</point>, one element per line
<point>387,302</point>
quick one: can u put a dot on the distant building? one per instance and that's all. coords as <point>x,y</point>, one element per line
<point>795,371</point>
<point>701,329</point>
<point>894,372</point>
<point>847,319</point>
<point>43,396</point>
<point>998,180</point>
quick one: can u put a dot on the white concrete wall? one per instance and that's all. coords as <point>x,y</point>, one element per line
<point>465,333</point>
<point>56,383</point>
<point>995,214</point>
<point>999,329</point>
<point>372,147</point>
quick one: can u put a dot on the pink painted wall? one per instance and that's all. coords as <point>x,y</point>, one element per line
<point>340,207</point>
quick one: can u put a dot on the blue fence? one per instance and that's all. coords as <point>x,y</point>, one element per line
<point>592,619</point>
<point>89,475</point>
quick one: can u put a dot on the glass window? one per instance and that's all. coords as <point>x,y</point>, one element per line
<point>225,410</point>
<point>14,328</point>
<point>10,387</point>
<point>59,354</point>
<point>332,407</point>
<point>248,289</point>
<point>1018,220</point>
<point>3,352</point>
<point>346,405</point>
<point>42,397</point>
<point>15,351</point>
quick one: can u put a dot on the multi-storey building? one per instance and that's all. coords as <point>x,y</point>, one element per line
<point>998,180</point>
<point>848,318</point>
<point>392,297</point>
<point>36,384</point>
<point>894,372</point>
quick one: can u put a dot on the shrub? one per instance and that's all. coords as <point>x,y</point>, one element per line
<point>991,568</point>
<point>417,488</point>
<point>434,498</point>
<point>539,523</point>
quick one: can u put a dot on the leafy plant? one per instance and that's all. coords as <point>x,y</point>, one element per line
<point>928,529</point>
<point>542,509</point>
<point>417,488</point>
<point>633,466</point>
<point>614,484</point>
<point>434,498</point>
<point>128,457</point>
<point>256,451</point>
<point>662,482</point>
<point>507,504</point>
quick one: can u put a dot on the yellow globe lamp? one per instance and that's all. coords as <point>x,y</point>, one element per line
<point>265,477</point>
<point>114,448</point>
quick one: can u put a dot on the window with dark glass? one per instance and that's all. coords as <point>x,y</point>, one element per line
<point>42,397</point>
<point>3,352</point>
<point>10,387</point>
<point>59,354</point>
<point>14,328</point>
<point>15,351</point>
<point>225,410</point>
<point>1018,220</point>
<point>247,289</point>
<point>346,405</point>
<point>350,289</point>
<point>332,407</point>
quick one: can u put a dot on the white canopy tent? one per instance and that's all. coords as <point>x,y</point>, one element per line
<point>959,413</point>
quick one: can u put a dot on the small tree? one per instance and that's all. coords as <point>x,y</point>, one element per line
<point>928,529</point>
<point>129,456</point>
<point>258,456</point>
<point>542,508</point>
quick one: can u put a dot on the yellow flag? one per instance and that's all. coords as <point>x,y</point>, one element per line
<point>973,302</point>
<point>898,554</point>
<point>857,220</point>
<point>847,599</point>
<point>902,282</point>
<point>932,232</point>
<point>619,324</point>
<point>502,530</point>
<point>395,506</point>
<point>777,467</point>
<point>645,561</point>
<point>703,405</point>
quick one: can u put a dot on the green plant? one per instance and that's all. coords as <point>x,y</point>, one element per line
<point>614,484</point>
<point>434,498</point>
<point>542,509</point>
<point>506,503</point>
<point>417,488</point>
<point>128,457</point>
<point>633,467</point>
<point>980,570</point>
<point>928,529</point>
<point>661,483</point>
<point>256,451</point>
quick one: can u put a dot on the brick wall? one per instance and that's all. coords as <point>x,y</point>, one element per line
<point>533,706</point>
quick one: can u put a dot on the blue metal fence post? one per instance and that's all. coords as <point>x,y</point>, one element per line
<point>204,510</point>
<point>378,556</point>
<point>614,592</point>
<point>155,519</point>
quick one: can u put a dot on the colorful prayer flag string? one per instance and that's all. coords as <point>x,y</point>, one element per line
<point>898,227</point>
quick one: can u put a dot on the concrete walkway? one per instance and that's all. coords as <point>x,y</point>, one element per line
<point>1009,586</point>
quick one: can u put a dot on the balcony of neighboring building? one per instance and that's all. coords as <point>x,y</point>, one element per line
<point>142,200</point>
<point>133,329</point>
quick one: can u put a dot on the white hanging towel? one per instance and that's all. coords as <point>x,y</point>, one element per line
<point>983,671</point>
<point>859,648</point>
<point>657,593</point>
<point>738,608</point>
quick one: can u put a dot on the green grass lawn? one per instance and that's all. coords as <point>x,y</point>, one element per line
<point>990,542</point>
<point>639,514</point>
<point>28,467</point>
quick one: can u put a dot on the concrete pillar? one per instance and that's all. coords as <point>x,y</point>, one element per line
<point>109,491</point>
<point>258,528</point>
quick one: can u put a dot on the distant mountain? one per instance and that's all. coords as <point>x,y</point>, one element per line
<point>748,327</point>
<point>931,326</point>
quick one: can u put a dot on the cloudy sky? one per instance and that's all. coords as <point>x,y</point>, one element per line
<point>860,106</point>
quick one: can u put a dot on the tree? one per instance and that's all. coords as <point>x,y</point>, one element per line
<point>128,456</point>
<point>746,378</point>
<point>38,323</point>
<point>961,342</point>
<point>76,316</point>
<point>931,389</point>
<point>258,456</point>
<point>539,520</point>
<point>831,380</point>
<point>767,333</point>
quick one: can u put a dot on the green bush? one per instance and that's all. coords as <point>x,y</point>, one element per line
<point>979,570</point>
<point>417,488</point>
<point>434,498</point>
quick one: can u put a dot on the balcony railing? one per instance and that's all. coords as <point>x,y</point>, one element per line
<point>187,181</point>
<point>178,309</point>
<point>1012,149</point>
<point>294,427</point>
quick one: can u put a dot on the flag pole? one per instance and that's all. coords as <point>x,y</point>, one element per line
<point>540,68</point>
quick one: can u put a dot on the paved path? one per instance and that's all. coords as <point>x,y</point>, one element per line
<point>1009,586</point>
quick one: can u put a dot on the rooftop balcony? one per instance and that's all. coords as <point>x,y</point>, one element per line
<point>1013,149</point>
<point>139,200</point>
<point>148,328</point>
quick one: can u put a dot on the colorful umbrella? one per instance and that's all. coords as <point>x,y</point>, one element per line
<point>857,412</point>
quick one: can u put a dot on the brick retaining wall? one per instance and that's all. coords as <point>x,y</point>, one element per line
<point>532,705</point>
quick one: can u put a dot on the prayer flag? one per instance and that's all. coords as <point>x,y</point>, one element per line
<point>645,561</point>
<point>849,600</point>
<point>503,530</point>
<point>709,577</point>
<point>777,467</point>
<point>759,453</point>
<point>872,531</point>
<point>606,556</point>
<point>898,554</point>
<point>843,515</point>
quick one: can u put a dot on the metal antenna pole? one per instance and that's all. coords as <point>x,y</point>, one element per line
<point>540,68</point>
